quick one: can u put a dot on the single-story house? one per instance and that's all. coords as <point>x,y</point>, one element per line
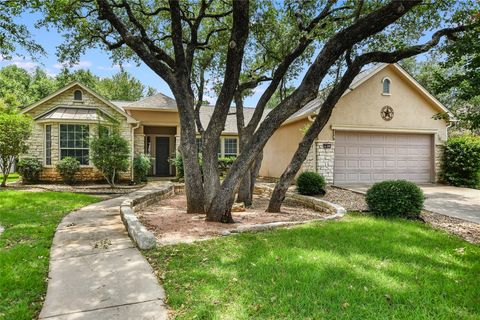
<point>382,128</point>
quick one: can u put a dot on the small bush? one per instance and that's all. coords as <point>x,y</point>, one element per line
<point>310,183</point>
<point>67,168</point>
<point>396,198</point>
<point>141,167</point>
<point>224,164</point>
<point>30,169</point>
<point>177,162</point>
<point>461,163</point>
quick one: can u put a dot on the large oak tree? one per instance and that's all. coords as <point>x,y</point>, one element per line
<point>176,38</point>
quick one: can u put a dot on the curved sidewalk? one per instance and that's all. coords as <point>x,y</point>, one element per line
<point>96,272</point>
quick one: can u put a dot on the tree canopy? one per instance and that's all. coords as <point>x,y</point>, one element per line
<point>19,87</point>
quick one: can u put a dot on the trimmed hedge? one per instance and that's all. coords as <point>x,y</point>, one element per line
<point>461,162</point>
<point>30,169</point>
<point>395,198</point>
<point>310,183</point>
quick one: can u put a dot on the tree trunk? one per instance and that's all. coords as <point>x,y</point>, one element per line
<point>244,191</point>
<point>300,155</point>
<point>4,181</point>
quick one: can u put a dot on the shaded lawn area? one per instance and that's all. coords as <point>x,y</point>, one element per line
<point>358,268</point>
<point>11,177</point>
<point>30,220</point>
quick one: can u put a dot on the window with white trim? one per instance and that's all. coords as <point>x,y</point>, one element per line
<point>74,142</point>
<point>386,85</point>
<point>230,148</point>
<point>48,145</point>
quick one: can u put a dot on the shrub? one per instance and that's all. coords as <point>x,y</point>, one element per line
<point>177,162</point>
<point>310,183</point>
<point>141,167</point>
<point>67,168</point>
<point>30,169</point>
<point>461,165</point>
<point>224,164</point>
<point>395,198</point>
<point>109,152</point>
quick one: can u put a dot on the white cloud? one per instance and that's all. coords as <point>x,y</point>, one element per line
<point>80,65</point>
<point>20,62</point>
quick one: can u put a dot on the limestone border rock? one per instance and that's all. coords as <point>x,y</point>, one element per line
<point>142,198</point>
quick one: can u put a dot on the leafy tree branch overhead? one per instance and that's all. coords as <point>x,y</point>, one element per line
<point>235,46</point>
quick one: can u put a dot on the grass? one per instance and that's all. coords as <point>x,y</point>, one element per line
<point>358,268</point>
<point>30,220</point>
<point>11,177</point>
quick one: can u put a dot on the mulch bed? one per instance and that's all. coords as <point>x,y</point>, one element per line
<point>95,189</point>
<point>171,224</point>
<point>351,201</point>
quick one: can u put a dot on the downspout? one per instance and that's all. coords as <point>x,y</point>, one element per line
<point>134,127</point>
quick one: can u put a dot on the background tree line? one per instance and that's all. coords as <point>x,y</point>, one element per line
<point>19,87</point>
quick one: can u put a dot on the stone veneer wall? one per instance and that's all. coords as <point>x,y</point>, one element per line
<point>139,143</point>
<point>325,160</point>
<point>439,153</point>
<point>321,160</point>
<point>37,140</point>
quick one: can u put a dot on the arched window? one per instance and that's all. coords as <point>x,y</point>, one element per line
<point>77,95</point>
<point>386,85</point>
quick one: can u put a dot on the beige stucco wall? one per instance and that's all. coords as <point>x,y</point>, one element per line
<point>37,139</point>
<point>280,148</point>
<point>360,110</point>
<point>156,117</point>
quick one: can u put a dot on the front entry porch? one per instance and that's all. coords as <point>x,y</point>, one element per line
<point>159,143</point>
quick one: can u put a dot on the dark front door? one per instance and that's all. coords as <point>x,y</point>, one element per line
<point>162,151</point>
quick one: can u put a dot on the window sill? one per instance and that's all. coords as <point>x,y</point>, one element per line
<point>386,94</point>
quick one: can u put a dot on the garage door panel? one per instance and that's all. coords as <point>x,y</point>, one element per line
<point>372,157</point>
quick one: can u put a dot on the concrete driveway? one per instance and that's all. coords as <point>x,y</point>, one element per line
<point>463,203</point>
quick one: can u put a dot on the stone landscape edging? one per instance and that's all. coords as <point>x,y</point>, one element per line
<point>336,211</point>
<point>137,200</point>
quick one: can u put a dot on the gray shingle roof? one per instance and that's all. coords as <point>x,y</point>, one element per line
<point>231,122</point>
<point>157,101</point>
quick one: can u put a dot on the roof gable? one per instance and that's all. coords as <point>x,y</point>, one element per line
<point>85,89</point>
<point>313,106</point>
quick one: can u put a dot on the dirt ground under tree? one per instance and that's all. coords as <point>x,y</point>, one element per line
<point>171,224</point>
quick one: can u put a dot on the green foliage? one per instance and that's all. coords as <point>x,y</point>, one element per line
<point>15,129</point>
<point>141,167</point>
<point>310,183</point>
<point>109,152</point>
<point>177,162</point>
<point>67,168</point>
<point>461,162</point>
<point>395,198</point>
<point>30,220</point>
<point>30,169</point>
<point>361,267</point>
<point>224,164</point>
<point>19,87</point>
<point>14,35</point>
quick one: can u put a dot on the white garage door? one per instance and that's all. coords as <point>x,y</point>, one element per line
<point>371,157</point>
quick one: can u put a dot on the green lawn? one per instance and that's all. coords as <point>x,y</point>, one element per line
<point>11,177</point>
<point>29,219</point>
<point>357,268</point>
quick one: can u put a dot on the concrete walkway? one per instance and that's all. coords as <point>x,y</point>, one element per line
<point>462,203</point>
<point>96,272</point>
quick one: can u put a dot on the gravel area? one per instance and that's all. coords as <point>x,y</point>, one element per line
<point>466,230</point>
<point>350,200</point>
<point>170,223</point>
